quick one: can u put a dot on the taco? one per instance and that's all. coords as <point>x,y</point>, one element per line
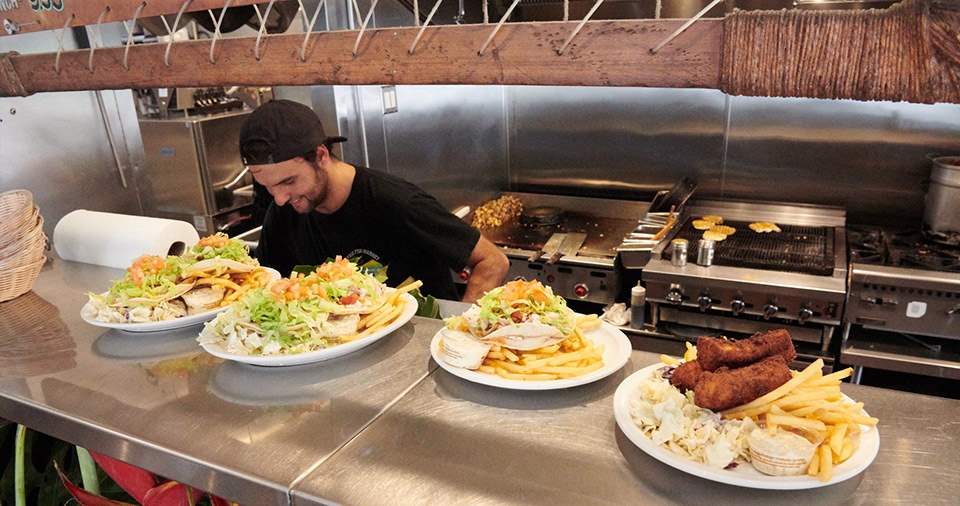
<point>521,315</point>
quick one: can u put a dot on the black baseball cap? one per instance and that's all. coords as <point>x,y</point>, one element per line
<point>280,130</point>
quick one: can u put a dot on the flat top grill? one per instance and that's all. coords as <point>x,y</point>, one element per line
<point>603,234</point>
<point>802,249</point>
<point>604,221</point>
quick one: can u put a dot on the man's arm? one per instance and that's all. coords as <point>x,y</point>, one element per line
<point>488,267</point>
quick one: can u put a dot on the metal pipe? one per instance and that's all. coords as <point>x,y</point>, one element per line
<point>113,143</point>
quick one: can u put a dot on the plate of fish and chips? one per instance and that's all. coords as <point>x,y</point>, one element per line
<point>667,422</point>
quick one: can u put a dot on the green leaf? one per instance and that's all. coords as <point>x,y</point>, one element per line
<point>88,470</point>
<point>427,306</point>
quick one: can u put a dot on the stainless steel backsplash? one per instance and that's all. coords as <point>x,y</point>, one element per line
<point>467,142</point>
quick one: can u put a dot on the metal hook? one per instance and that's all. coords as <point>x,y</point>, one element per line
<point>363,27</point>
<point>95,40</point>
<point>495,30</point>
<point>577,29</point>
<point>133,23</point>
<point>263,27</point>
<point>424,27</point>
<point>313,20</point>
<point>56,62</point>
<point>461,12</point>
<point>176,23</point>
<point>216,28</point>
<point>684,26</point>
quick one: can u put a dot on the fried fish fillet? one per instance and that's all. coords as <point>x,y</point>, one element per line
<point>714,353</point>
<point>728,388</point>
<point>686,375</point>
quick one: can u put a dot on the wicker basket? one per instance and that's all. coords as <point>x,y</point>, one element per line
<point>19,280</point>
<point>25,238</point>
<point>28,253</point>
<point>16,209</point>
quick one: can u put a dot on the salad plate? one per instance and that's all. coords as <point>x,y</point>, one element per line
<point>743,475</point>
<point>175,323</point>
<point>616,353</point>
<point>410,309</point>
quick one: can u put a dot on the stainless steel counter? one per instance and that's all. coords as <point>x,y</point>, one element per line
<point>385,425</point>
<point>158,401</point>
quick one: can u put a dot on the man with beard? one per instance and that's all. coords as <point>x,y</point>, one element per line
<point>323,207</point>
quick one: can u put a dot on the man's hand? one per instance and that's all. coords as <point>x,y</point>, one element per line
<point>488,267</point>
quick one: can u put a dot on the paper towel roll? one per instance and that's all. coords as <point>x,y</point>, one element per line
<point>115,240</point>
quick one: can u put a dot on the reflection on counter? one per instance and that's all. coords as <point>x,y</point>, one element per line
<point>33,337</point>
<point>121,346</point>
<point>241,383</point>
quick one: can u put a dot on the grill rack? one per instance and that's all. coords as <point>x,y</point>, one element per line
<point>796,248</point>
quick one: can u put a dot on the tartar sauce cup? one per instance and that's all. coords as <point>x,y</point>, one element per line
<point>783,452</point>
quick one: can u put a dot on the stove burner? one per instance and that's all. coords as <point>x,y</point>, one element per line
<point>945,238</point>
<point>542,216</point>
<point>914,250</point>
<point>904,249</point>
<point>867,246</point>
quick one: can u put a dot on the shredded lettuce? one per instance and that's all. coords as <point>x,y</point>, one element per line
<point>261,324</point>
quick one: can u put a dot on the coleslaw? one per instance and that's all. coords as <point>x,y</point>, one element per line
<point>671,419</point>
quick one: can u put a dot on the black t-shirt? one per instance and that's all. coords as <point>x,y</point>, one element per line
<point>385,219</point>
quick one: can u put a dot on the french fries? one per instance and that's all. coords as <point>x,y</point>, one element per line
<point>570,358</point>
<point>233,283</point>
<point>811,400</point>
<point>384,315</point>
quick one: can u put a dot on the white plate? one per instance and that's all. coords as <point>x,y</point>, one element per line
<point>319,355</point>
<point>616,353</point>
<point>743,475</point>
<point>176,323</point>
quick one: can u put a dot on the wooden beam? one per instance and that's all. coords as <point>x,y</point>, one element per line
<point>603,53</point>
<point>23,16</point>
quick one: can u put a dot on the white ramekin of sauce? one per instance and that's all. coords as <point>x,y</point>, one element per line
<point>782,452</point>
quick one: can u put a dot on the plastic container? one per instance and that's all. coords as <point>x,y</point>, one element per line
<point>638,306</point>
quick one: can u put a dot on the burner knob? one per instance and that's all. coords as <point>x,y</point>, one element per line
<point>770,310</point>
<point>704,302</point>
<point>737,306</point>
<point>675,295</point>
<point>804,315</point>
<point>581,290</point>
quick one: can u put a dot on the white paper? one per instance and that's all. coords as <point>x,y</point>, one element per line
<point>115,240</point>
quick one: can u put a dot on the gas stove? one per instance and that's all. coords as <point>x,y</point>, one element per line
<point>905,282</point>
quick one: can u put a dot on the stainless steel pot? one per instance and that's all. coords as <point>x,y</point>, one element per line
<point>942,203</point>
